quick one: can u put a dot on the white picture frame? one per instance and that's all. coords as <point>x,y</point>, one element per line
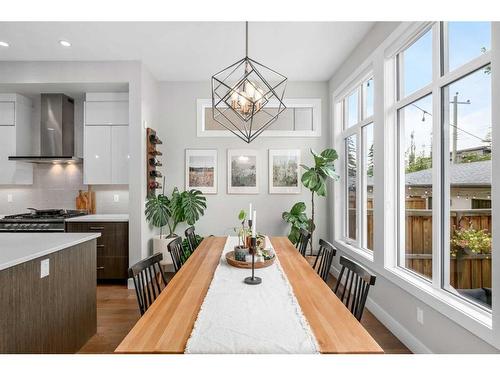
<point>242,171</point>
<point>279,183</point>
<point>201,170</point>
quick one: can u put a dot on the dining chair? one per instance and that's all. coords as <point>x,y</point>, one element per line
<point>149,280</point>
<point>303,241</point>
<point>325,256</point>
<point>355,288</point>
<point>191,239</point>
<point>177,253</point>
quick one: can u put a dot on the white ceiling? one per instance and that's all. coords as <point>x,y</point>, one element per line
<point>190,51</point>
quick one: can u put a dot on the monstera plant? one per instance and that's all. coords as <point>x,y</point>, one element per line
<point>186,206</point>
<point>315,179</point>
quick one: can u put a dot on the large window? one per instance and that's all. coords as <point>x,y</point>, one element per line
<point>357,124</point>
<point>444,159</point>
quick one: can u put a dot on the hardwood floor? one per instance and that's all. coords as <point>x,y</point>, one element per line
<point>117,312</point>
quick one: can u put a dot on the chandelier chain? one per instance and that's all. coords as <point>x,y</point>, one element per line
<point>246,38</point>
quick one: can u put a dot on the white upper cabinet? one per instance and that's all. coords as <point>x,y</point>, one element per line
<point>106,113</point>
<point>119,154</point>
<point>97,155</point>
<point>7,113</point>
<point>106,151</point>
<point>106,109</point>
<point>15,130</point>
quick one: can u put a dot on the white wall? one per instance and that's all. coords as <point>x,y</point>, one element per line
<point>395,307</point>
<point>177,127</point>
<point>150,118</point>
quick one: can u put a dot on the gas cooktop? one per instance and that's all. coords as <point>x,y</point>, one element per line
<point>49,220</point>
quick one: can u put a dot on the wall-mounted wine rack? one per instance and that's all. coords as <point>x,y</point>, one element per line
<point>152,159</point>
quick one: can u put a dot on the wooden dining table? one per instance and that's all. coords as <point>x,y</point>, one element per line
<point>167,324</point>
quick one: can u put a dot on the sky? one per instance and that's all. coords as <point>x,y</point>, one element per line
<point>465,42</point>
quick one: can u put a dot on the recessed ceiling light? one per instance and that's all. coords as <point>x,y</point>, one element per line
<point>65,43</point>
<point>4,44</point>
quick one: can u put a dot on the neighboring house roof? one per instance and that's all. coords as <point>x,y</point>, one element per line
<point>464,174</point>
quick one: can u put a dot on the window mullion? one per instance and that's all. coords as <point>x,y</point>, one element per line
<point>437,157</point>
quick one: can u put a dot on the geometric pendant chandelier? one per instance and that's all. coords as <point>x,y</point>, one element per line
<point>247,96</point>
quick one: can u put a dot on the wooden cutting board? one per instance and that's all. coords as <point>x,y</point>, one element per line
<point>85,201</point>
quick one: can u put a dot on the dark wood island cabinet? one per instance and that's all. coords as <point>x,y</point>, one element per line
<point>112,247</point>
<point>47,292</point>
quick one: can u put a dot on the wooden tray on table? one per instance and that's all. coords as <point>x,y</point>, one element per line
<point>239,264</point>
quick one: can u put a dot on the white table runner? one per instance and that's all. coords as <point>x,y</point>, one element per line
<point>240,318</point>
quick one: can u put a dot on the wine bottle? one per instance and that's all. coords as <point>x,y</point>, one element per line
<point>155,153</point>
<point>154,163</point>
<point>154,185</point>
<point>153,139</point>
<point>155,174</point>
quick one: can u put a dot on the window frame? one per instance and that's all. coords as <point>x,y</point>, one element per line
<point>440,178</point>
<point>484,325</point>
<point>341,108</point>
<point>313,103</point>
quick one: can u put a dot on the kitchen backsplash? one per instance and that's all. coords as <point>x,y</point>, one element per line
<point>56,186</point>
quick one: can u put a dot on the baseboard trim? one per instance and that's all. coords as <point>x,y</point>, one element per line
<point>397,329</point>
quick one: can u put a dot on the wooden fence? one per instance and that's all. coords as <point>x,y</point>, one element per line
<point>467,272</point>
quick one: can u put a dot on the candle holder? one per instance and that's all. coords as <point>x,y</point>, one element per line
<point>253,280</point>
<point>248,239</point>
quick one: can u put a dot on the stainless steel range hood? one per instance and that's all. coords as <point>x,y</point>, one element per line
<point>57,131</point>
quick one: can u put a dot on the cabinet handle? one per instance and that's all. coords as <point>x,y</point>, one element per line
<point>100,268</point>
<point>96,228</point>
<point>100,245</point>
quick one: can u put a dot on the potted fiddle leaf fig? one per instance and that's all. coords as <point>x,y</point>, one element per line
<point>298,219</point>
<point>315,179</point>
<point>164,211</point>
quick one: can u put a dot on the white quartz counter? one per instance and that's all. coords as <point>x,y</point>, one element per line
<point>17,248</point>
<point>100,218</point>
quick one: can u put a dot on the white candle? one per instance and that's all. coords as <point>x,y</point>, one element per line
<point>254,224</point>
<point>250,212</point>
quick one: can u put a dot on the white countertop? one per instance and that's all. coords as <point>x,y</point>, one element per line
<point>100,217</point>
<point>17,248</point>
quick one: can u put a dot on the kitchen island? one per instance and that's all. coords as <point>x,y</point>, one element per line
<point>47,291</point>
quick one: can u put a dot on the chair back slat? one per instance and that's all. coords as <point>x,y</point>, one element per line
<point>177,253</point>
<point>149,280</point>
<point>355,286</point>
<point>325,257</point>
<point>191,239</point>
<point>303,241</point>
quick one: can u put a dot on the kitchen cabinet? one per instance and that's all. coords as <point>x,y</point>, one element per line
<point>15,130</point>
<point>106,156</point>
<point>106,113</point>
<point>112,247</point>
<point>119,154</point>
<point>97,155</point>
<point>106,151</point>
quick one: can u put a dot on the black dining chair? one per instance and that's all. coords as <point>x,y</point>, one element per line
<point>149,280</point>
<point>354,291</point>
<point>303,241</point>
<point>177,253</point>
<point>325,256</point>
<point>191,239</point>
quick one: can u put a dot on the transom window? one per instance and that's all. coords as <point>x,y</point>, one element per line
<point>444,158</point>
<point>356,110</point>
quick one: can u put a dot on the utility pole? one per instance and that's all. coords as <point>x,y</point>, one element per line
<point>455,103</point>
